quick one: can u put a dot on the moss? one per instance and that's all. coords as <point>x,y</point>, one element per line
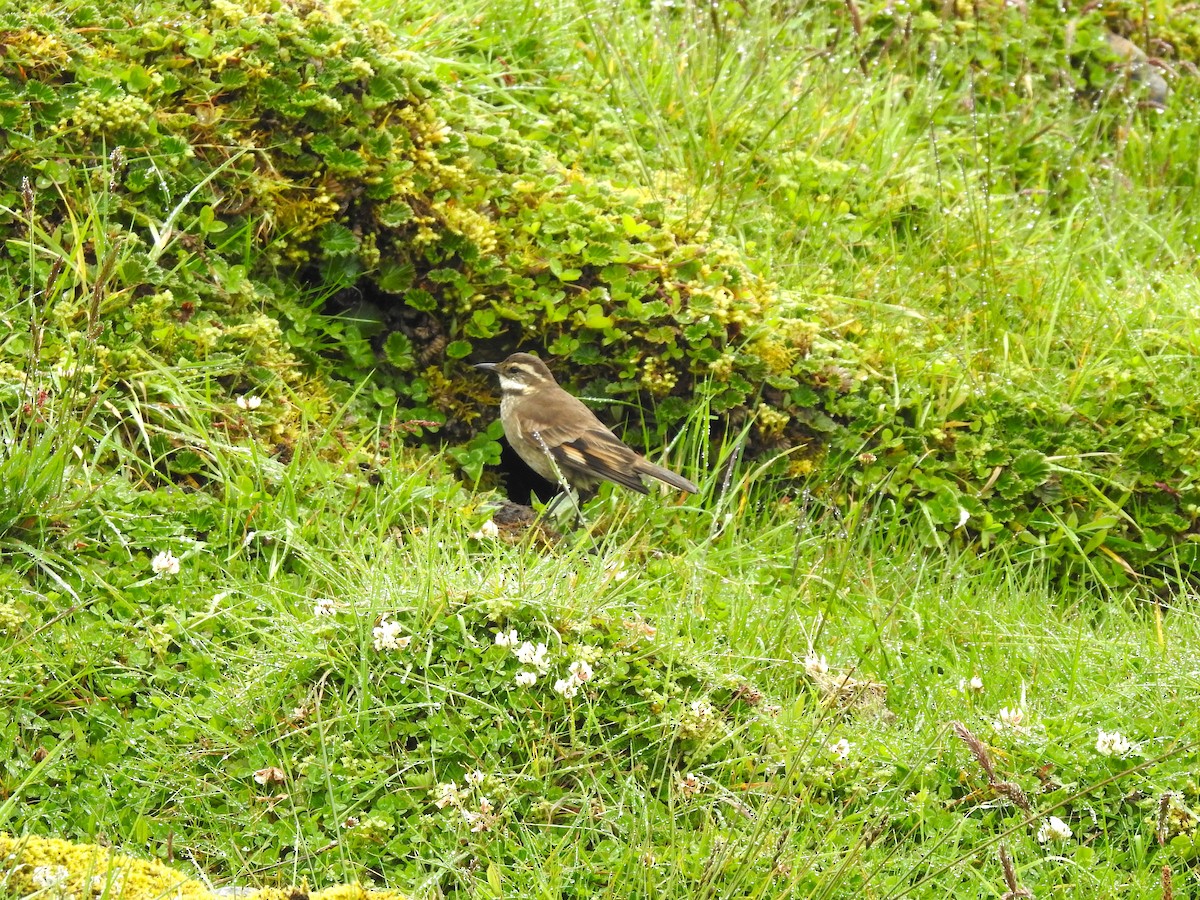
<point>30,864</point>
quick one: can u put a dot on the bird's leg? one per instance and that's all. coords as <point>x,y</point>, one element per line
<point>562,482</point>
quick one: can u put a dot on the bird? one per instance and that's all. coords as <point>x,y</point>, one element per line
<point>560,438</point>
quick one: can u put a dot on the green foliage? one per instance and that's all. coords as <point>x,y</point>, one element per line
<point>963,197</point>
<point>361,168</point>
<point>335,678</point>
<point>272,163</point>
<point>982,339</point>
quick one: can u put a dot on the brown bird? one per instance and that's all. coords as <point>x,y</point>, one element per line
<point>560,438</point>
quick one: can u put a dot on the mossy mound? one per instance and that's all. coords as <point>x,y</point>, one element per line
<point>245,159</point>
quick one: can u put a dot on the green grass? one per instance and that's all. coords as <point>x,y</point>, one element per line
<point>702,759</point>
<point>160,702</point>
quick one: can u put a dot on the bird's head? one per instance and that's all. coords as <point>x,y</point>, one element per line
<point>521,373</point>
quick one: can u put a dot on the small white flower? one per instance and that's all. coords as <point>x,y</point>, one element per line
<point>1112,743</point>
<point>568,687</point>
<point>581,670</point>
<point>44,877</point>
<point>616,570</point>
<point>815,665</point>
<point>690,785</point>
<point>112,882</point>
<point>840,748</point>
<point>526,678</point>
<point>249,401</point>
<point>387,636</point>
<point>507,638</point>
<point>270,775</point>
<point>474,778</point>
<point>525,653</point>
<point>975,685</point>
<point>324,607</point>
<point>1054,830</point>
<point>1011,719</point>
<point>488,529</point>
<point>530,655</point>
<point>485,806</point>
<point>165,563</point>
<point>445,794</point>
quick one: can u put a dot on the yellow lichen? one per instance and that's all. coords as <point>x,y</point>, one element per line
<point>799,468</point>
<point>658,377</point>
<point>29,863</point>
<point>37,49</point>
<point>771,421</point>
<point>775,354</point>
<point>11,618</point>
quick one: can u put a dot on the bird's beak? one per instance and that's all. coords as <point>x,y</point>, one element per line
<point>487,367</point>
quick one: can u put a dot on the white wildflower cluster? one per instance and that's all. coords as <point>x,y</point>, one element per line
<point>1113,743</point>
<point>814,665</point>
<point>1054,831</point>
<point>1012,719</point>
<point>446,794</point>
<point>387,636</point>
<point>690,785</point>
<point>840,749</point>
<point>165,563</point>
<point>580,672</point>
<point>248,402</point>
<point>487,530</point>
<point>478,810</point>
<point>528,654</point>
<point>536,657</point>
<point>48,877</point>
<point>972,686</point>
<point>324,606</point>
<point>640,629</point>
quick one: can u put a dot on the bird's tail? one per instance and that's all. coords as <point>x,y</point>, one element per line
<point>667,476</point>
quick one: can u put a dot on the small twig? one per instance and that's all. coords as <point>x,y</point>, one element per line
<point>855,18</point>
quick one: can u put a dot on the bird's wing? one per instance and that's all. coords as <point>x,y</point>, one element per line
<point>600,454</point>
<point>591,451</point>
